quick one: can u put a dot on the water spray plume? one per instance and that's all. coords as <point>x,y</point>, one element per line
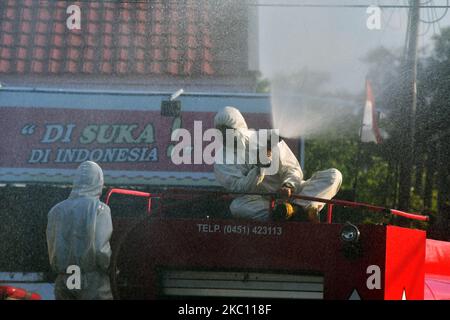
<point>297,114</point>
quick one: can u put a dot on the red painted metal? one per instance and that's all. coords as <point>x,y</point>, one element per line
<point>301,248</point>
<point>405,264</point>
<point>412,216</point>
<point>13,293</point>
<point>133,193</point>
<point>330,213</point>
<point>142,248</point>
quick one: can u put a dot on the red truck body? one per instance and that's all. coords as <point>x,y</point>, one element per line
<point>160,256</point>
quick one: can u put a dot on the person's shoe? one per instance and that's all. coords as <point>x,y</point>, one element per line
<point>312,213</point>
<point>308,214</point>
<point>283,211</point>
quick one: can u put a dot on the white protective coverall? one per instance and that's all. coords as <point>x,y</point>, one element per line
<point>78,233</point>
<point>250,178</point>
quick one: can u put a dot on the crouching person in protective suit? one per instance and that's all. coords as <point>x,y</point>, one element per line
<point>78,233</point>
<point>287,180</point>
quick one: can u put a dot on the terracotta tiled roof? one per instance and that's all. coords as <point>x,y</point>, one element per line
<point>116,38</point>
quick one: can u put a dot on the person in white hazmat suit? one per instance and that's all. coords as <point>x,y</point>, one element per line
<point>252,178</point>
<point>78,233</point>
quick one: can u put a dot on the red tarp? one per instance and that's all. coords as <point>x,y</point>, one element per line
<point>437,270</point>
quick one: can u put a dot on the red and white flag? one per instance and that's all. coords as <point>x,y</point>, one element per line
<point>369,129</point>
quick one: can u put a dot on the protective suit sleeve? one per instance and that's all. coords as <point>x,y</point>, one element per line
<point>103,231</point>
<point>232,179</point>
<point>290,171</point>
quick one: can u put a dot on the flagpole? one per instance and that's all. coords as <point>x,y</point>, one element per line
<point>359,148</point>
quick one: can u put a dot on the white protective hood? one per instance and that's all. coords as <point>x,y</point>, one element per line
<point>88,180</point>
<point>230,117</point>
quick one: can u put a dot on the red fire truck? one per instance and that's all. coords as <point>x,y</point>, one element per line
<point>188,246</point>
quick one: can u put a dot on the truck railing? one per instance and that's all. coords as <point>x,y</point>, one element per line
<point>345,203</point>
<point>273,198</point>
<point>134,193</point>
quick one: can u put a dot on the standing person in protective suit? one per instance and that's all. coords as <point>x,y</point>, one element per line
<point>78,233</point>
<point>252,178</point>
